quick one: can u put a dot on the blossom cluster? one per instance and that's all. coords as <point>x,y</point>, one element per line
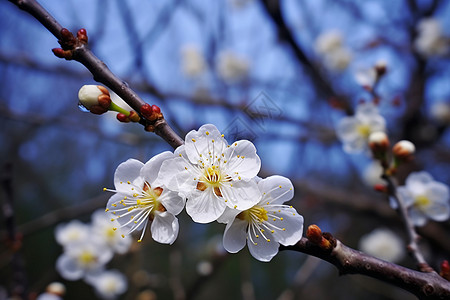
<point>87,250</point>
<point>214,181</point>
<point>330,46</point>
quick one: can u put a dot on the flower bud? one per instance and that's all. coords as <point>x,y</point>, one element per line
<point>403,150</point>
<point>445,270</point>
<point>56,288</point>
<point>380,68</point>
<point>95,98</point>
<point>378,141</point>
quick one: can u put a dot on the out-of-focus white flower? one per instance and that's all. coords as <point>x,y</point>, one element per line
<point>83,258</point>
<point>141,198</point>
<point>372,174</point>
<point>354,131</point>
<point>108,284</point>
<point>424,198</point>
<point>367,78</point>
<point>109,233</point>
<point>71,233</point>
<point>48,296</point>
<point>192,61</point>
<point>330,46</point>
<point>204,268</point>
<point>328,41</point>
<point>267,224</point>
<point>231,67</point>
<point>213,175</point>
<point>384,244</point>
<point>440,112</point>
<point>430,40</point>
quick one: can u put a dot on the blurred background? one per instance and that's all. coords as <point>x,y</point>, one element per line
<point>279,73</point>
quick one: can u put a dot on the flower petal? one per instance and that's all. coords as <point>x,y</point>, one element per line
<point>127,176</point>
<point>178,175</point>
<point>417,181</point>
<point>173,203</point>
<point>263,250</point>
<point>207,140</point>
<point>235,235</point>
<point>242,195</point>
<point>275,190</point>
<point>203,208</point>
<point>417,217</point>
<point>165,228</point>
<point>68,268</point>
<point>242,158</point>
<point>290,223</point>
<point>151,168</point>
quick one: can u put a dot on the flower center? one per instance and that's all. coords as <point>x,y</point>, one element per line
<point>212,177</point>
<point>256,213</point>
<point>364,130</point>
<point>86,258</point>
<point>422,201</point>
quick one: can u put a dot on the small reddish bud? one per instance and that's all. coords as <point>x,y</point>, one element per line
<point>82,36</point>
<point>146,110</point>
<point>150,128</point>
<point>134,117</point>
<point>122,118</point>
<point>66,34</point>
<point>380,188</point>
<point>156,109</point>
<point>314,234</point>
<point>445,270</point>
<point>58,52</point>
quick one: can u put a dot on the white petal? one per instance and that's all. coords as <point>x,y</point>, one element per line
<point>347,128</point>
<point>228,215</point>
<point>376,123</point>
<point>128,171</point>
<point>235,235</point>
<point>68,268</point>
<point>263,250</point>
<point>178,175</point>
<point>416,182</point>
<point>206,139</point>
<point>405,196</point>
<point>242,158</point>
<point>204,207</point>
<point>437,192</point>
<point>173,203</point>
<point>242,195</point>
<point>366,109</point>
<point>165,228</point>
<point>151,168</point>
<point>292,223</point>
<point>417,217</point>
<point>276,189</point>
<point>437,211</point>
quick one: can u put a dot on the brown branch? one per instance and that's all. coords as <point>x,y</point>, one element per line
<point>350,261</point>
<point>101,73</point>
<point>413,246</point>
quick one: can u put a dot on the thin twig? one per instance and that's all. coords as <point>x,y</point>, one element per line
<point>413,246</point>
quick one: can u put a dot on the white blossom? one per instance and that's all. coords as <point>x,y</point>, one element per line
<point>141,198</point>
<point>192,61</point>
<point>72,233</point>
<point>330,46</point>
<point>430,40</point>
<point>109,233</point>
<point>424,198</point>
<point>267,224</point>
<point>354,131</point>
<point>440,112</point>
<point>213,175</point>
<point>231,67</point>
<point>108,284</point>
<point>83,258</point>
<point>372,174</point>
<point>384,244</point>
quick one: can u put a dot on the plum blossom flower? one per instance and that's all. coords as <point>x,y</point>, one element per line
<point>109,233</point>
<point>354,131</point>
<point>141,198</point>
<point>330,46</point>
<point>424,198</point>
<point>108,284</point>
<point>193,62</point>
<point>83,258</point>
<point>71,233</point>
<point>213,175</point>
<point>267,224</point>
<point>384,244</point>
<point>430,39</point>
<point>231,67</point>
